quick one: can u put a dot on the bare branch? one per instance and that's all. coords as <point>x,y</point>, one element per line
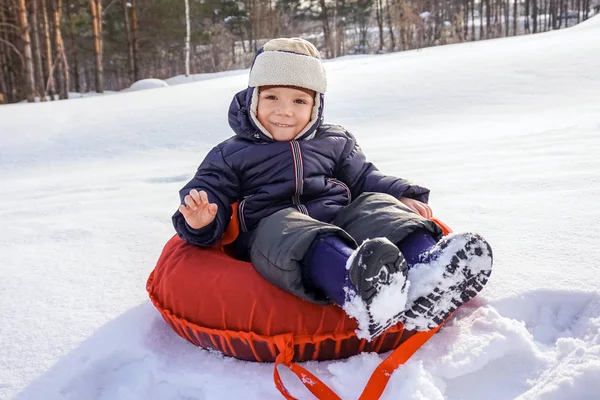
<point>50,76</point>
<point>108,6</point>
<point>17,28</point>
<point>8,4</point>
<point>15,49</point>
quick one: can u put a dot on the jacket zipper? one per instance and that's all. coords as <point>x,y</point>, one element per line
<point>299,176</point>
<point>241,214</point>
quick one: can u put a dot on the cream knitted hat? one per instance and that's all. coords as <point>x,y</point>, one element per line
<point>289,62</point>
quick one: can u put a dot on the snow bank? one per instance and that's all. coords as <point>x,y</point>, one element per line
<point>146,84</point>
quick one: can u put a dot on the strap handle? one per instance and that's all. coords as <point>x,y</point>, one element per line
<point>382,374</point>
<point>374,388</point>
<point>445,228</point>
<point>285,344</point>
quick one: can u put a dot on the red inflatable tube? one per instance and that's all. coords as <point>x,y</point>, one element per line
<point>220,303</point>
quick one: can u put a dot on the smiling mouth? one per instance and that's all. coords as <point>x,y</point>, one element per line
<point>281,125</point>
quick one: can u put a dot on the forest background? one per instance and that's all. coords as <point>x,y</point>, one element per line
<point>51,49</point>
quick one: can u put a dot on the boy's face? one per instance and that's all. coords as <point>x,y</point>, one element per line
<point>284,111</point>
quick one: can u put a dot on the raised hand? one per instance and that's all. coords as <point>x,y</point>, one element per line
<point>423,209</point>
<point>197,211</point>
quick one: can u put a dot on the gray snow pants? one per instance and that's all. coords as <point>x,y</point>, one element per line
<point>282,239</point>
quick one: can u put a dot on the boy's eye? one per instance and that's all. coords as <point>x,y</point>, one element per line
<point>300,101</point>
<point>270,97</point>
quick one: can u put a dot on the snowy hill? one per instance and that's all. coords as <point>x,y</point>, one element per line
<point>506,133</point>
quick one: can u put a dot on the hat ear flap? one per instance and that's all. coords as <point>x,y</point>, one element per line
<point>253,112</point>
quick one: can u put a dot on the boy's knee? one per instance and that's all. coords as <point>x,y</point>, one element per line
<point>280,219</point>
<point>377,197</point>
<point>378,201</point>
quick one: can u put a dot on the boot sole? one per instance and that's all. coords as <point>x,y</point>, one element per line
<point>431,310</point>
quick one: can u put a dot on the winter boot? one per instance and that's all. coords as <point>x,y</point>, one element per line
<point>448,275</point>
<point>378,272</point>
<point>369,283</point>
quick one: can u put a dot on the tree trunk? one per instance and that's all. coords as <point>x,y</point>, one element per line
<point>495,16</point>
<point>534,15</point>
<point>342,37</point>
<point>73,40</point>
<point>129,40</point>
<point>135,41</point>
<point>335,30</point>
<point>515,16</point>
<point>27,55</point>
<point>57,66</point>
<point>50,84</point>
<point>63,68</point>
<point>557,15</point>
<point>37,53</point>
<point>255,25</point>
<point>466,19</point>
<point>401,20</point>
<point>390,25</point>
<point>6,86</point>
<point>250,24</point>
<point>87,76</point>
<point>3,74</point>
<point>480,19</point>
<point>379,17</point>
<point>527,7</point>
<point>187,37</point>
<point>498,18</point>
<point>488,19</point>
<point>437,20</point>
<point>546,12</point>
<point>272,21</point>
<point>96,10</point>
<point>499,11</point>
<point>326,29</point>
<point>472,2</point>
<point>506,18</point>
<point>3,89</point>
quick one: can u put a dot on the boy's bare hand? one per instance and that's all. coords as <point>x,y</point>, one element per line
<point>423,209</point>
<point>197,211</point>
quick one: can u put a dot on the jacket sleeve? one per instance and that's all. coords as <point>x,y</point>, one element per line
<point>362,176</point>
<point>220,183</point>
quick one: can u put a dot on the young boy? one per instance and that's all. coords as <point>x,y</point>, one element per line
<point>316,218</point>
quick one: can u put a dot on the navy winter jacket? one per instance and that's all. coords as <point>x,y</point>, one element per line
<point>317,174</point>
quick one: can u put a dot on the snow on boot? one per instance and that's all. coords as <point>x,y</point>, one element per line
<point>378,271</point>
<point>447,276</point>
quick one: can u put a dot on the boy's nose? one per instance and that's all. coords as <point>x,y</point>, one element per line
<point>285,111</point>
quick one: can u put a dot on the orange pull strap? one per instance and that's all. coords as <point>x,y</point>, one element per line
<point>374,388</point>
<point>445,228</point>
<point>382,374</point>
<point>285,345</point>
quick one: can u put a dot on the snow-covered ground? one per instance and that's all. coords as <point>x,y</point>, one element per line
<point>506,133</point>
